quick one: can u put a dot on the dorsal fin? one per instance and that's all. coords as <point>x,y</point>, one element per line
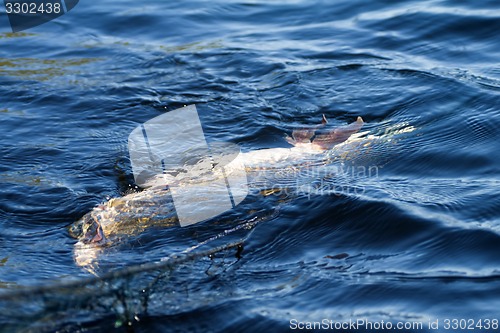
<point>323,120</point>
<point>307,134</point>
<point>338,135</point>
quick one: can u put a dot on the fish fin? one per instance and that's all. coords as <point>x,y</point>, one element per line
<point>303,136</point>
<point>290,140</point>
<point>323,120</point>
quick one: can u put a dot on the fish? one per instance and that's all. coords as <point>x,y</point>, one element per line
<point>121,217</point>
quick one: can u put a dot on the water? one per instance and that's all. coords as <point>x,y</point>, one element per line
<point>418,242</point>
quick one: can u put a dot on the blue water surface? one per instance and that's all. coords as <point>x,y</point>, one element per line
<point>420,242</point>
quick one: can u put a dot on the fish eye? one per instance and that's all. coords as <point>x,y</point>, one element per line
<point>76,230</point>
<point>87,220</point>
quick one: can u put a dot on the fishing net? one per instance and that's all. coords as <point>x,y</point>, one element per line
<point>178,283</point>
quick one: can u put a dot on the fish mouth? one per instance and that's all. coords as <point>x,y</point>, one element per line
<point>95,234</point>
<point>88,231</point>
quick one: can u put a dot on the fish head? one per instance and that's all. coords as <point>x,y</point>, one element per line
<point>87,230</point>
